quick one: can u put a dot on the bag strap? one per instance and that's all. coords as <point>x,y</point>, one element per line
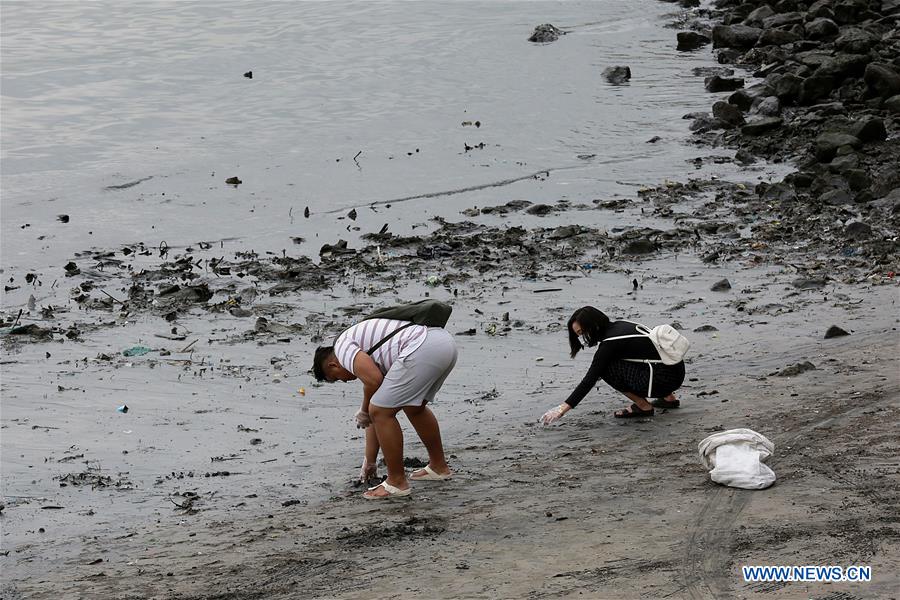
<point>387,337</point>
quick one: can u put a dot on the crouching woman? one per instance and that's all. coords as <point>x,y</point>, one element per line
<point>621,348</point>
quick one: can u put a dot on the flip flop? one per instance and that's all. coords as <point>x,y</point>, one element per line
<point>635,412</point>
<point>391,490</point>
<point>663,403</point>
<point>430,475</point>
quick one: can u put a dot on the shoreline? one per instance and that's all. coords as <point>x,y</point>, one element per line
<point>535,512</point>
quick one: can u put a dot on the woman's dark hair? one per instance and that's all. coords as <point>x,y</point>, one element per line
<point>322,354</point>
<point>593,326</point>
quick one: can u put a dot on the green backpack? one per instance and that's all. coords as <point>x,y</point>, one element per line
<point>428,312</point>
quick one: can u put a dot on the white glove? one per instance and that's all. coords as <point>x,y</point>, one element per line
<point>367,471</point>
<point>363,419</point>
<point>552,415</point>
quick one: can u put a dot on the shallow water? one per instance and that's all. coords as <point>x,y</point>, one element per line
<point>103,95</point>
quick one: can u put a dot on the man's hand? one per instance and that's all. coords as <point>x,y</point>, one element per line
<point>363,419</point>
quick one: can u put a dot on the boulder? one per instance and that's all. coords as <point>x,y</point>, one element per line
<point>869,129</point>
<point>882,80</point>
<point>735,36</point>
<point>820,8</point>
<point>722,84</point>
<point>769,106</point>
<point>892,104</point>
<point>857,179</point>
<point>788,87</point>
<point>761,126</point>
<point>755,18</point>
<point>836,198</point>
<point>782,20</point>
<point>728,113</point>
<point>815,88</point>
<point>827,144</point>
<point>844,163</point>
<point>858,231</point>
<point>691,40</point>
<point>723,285</point>
<point>835,331</point>
<point>777,37</point>
<point>855,41</point>
<point>639,246</point>
<point>617,75</point>
<point>545,33</point>
<point>843,65</point>
<point>821,28</point>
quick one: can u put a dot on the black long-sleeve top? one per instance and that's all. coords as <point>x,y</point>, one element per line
<point>607,351</point>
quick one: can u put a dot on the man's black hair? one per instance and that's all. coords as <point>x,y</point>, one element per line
<point>322,354</point>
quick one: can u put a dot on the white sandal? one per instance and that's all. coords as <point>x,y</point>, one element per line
<point>391,491</point>
<point>430,475</point>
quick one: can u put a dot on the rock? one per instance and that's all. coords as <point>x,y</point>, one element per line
<point>810,283</point>
<point>821,28</point>
<point>744,157</point>
<point>777,37</point>
<point>835,331</point>
<point>827,144</point>
<point>869,129</point>
<point>820,8</point>
<point>882,80</point>
<point>796,369</point>
<point>617,75</point>
<point>858,231</point>
<point>722,84</point>
<point>769,107</point>
<point>761,126</point>
<point>545,33</point>
<point>721,286</point>
<point>857,179</point>
<point>639,246</point>
<point>705,328</point>
<point>233,181</point>
<point>564,232</point>
<point>836,198</point>
<point>783,20</point>
<point>755,18</point>
<point>788,87</point>
<point>892,104</point>
<point>32,330</point>
<point>842,66</point>
<point>855,41</point>
<point>691,40</point>
<point>780,192</point>
<point>815,88</point>
<point>728,113</point>
<point>62,218</point>
<point>735,36</point>
<point>841,164</point>
<point>539,210</point>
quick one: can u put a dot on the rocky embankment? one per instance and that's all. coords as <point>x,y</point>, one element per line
<point>824,97</point>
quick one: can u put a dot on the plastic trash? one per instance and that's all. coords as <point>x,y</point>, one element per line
<point>433,281</point>
<point>736,458</point>
<point>136,351</point>
<point>122,409</point>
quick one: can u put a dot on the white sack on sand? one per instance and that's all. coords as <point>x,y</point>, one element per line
<point>736,458</point>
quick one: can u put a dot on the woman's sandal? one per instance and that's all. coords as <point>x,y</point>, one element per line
<point>663,403</point>
<point>633,412</point>
<point>391,491</point>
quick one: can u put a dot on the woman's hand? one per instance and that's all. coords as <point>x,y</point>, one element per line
<point>555,414</point>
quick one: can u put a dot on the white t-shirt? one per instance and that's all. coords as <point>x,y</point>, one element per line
<point>366,334</point>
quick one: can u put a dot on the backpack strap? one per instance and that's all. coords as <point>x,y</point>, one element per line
<point>387,337</point>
